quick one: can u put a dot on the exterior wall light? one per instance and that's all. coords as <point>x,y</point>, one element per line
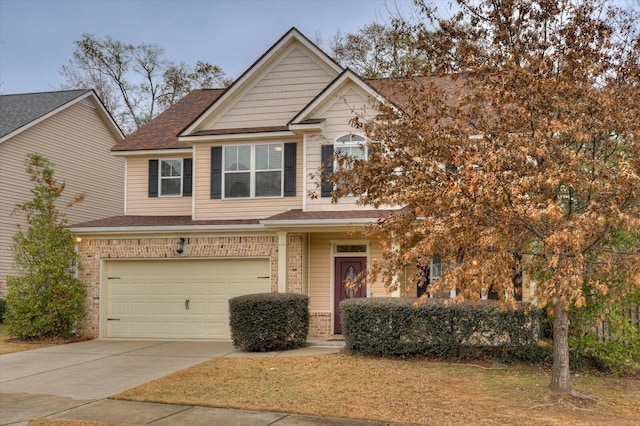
<point>180,247</point>
<point>78,239</point>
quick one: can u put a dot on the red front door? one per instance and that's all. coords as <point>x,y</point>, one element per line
<point>348,284</point>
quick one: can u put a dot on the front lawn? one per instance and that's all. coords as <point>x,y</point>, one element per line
<point>414,391</point>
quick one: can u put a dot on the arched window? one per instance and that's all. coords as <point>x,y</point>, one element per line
<point>351,145</point>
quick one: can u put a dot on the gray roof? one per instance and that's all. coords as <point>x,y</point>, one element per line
<point>21,109</point>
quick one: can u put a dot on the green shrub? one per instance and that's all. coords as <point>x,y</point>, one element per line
<point>3,309</point>
<point>269,321</point>
<point>398,327</point>
<point>45,299</point>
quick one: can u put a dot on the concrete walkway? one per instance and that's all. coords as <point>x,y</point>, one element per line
<point>74,381</point>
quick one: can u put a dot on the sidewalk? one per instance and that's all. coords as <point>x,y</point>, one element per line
<point>74,382</point>
<point>127,412</point>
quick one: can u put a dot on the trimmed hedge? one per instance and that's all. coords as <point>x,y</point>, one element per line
<point>395,327</point>
<point>269,321</point>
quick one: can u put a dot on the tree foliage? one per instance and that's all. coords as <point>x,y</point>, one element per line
<point>46,299</point>
<point>378,50</point>
<point>135,82</point>
<point>518,139</point>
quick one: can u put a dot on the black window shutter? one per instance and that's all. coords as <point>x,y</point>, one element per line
<point>290,169</point>
<point>216,172</point>
<point>153,178</point>
<point>327,162</point>
<point>187,178</point>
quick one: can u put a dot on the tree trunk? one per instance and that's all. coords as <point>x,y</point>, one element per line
<point>560,379</point>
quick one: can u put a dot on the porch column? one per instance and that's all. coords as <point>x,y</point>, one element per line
<point>282,262</point>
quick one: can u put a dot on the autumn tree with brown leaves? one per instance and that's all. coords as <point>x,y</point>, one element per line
<point>522,143</point>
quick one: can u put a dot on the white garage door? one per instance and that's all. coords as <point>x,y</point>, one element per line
<point>178,298</point>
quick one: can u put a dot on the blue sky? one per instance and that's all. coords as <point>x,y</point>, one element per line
<point>37,36</point>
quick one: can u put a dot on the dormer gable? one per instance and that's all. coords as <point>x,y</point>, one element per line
<point>273,90</point>
<point>311,116</point>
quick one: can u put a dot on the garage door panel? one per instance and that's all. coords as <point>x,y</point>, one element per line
<point>148,297</point>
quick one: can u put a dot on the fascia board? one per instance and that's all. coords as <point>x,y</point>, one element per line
<point>317,222</point>
<point>236,136</point>
<point>151,152</point>
<point>301,128</point>
<point>162,229</point>
<point>106,114</point>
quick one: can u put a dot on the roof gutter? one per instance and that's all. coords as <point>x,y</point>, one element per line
<point>160,229</point>
<point>317,223</point>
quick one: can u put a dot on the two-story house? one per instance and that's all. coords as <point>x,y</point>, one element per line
<point>73,130</point>
<point>218,204</point>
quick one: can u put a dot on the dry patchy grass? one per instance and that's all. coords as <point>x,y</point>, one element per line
<point>413,391</point>
<point>9,345</point>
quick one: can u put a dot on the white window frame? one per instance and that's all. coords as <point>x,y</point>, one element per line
<point>161,178</point>
<point>433,277</point>
<point>355,140</point>
<point>253,171</point>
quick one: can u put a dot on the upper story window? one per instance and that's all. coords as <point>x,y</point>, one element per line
<point>171,177</point>
<point>351,145</point>
<point>253,170</point>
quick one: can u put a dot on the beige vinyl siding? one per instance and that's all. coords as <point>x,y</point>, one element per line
<point>337,112</point>
<point>78,142</point>
<point>138,201</point>
<point>321,268</point>
<point>278,94</point>
<point>255,208</point>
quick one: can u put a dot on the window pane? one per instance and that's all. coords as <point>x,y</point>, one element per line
<point>170,168</point>
<point>436,267</point>
<point>236,185</point>
<point>269,157</point>
<point>350,138</point>
<point>262,157</point>
<point>275,156</point>
<point>244,157</point>
<point>359,248</point>
<point>237,157</point>
<point>176,168</point>
<point>230,157</point>
<point>165,168</point>
<point>170,186</point>
<point>268,184</point>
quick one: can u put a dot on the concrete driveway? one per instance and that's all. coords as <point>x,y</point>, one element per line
<point>48,381</point>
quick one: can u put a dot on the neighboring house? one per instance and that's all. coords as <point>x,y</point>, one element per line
<point>75,132</point>
<point>218,204</point>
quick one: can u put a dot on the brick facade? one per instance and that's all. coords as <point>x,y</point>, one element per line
<point>93,251</point>
<point>320,325</point>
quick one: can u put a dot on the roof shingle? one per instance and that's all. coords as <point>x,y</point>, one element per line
<point>19,110</point>
<point>162,132</point>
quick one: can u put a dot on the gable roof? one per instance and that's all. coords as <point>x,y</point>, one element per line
<point>162,132</point>
<point>21,109</point>
<point>18,112</point>
<point>293,35</point>
<point>304,116</point>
